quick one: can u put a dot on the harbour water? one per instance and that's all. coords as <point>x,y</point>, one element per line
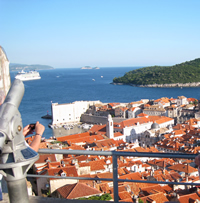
<point>67,85</point>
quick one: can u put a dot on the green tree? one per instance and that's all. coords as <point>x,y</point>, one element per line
<point>140,201</point>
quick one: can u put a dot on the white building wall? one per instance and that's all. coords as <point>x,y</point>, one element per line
<point>131,133</point>
<point>133,114</point>
<point>166,124</point>
<point>69,113</point>
<point>120,138</point>
<point>41,184</point>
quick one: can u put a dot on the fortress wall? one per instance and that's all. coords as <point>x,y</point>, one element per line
<point>86,118</point>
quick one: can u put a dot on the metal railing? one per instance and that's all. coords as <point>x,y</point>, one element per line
<point>114,155</point>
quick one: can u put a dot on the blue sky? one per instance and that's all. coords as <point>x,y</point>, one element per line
<point>104,33</point>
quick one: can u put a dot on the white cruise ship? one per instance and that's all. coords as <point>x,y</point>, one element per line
<point>31,75</point>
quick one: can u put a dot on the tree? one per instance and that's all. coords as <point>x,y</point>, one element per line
<point>140,201</point>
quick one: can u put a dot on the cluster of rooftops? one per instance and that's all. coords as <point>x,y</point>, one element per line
<point>182,137</point>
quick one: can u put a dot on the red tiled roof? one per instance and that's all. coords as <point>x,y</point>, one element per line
<point>106,143</point>
<point>133,121</point>
<point>191,99</point>
<point>69,171</point>
<point>44,157</point>
<point>77,190</point>
<point>142,115</point>
<point>76,147</point>
<point>117,134</point>
<point>131,176</point>
<point>107,175</point>
<point>98,129</point>
<point>148,190</point>
<point>87,182</point>
<point>183,168</point>
<point>189,198</point>
<point>104,187</point>
<point>84,164</point>
<point>167,188</point>
<point>88,139</point>
<point>160,119</point>
<point>113,104</point>
<point>75,136</point>
<point>97,165</point>
<point>158,198</point>
<point>53,165</point>
<point>124,195</point>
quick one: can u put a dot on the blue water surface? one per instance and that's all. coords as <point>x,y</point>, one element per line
<point>74,84</point>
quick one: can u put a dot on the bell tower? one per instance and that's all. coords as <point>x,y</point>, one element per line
<point>109,127</point>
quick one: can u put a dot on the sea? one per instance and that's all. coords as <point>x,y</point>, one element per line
<point>66,85</point>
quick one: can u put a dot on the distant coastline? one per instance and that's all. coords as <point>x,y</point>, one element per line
<point>25,67</point>
<point>193,84</point>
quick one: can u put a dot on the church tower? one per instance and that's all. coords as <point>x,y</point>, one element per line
<point>109,127</point>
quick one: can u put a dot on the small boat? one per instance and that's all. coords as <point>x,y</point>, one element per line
<point>86,67</point>
<point>93,79</point>
<point>47,116</point>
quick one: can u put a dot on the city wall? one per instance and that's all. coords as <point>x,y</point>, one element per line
<point>87,118</point>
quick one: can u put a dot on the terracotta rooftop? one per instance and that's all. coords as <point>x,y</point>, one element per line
<point>104,187</point>
<point>97,165</point>
<point>189,198</point>
<point>133,121</point>
<point>77,190</point>
<point>75,136</point>
<point>106,143</point>
<point>88,139</point>
<point>183,168</point>
<point>158,198</point>
<point>46,157</point>
<point>98,129</point>
<point>69,171</point>
<point>124,195</point>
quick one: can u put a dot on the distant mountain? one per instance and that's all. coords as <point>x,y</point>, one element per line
<point>25,67</point>
<point>187,72</point>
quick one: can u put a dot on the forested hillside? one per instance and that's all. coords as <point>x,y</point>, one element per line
<point>180,73</point>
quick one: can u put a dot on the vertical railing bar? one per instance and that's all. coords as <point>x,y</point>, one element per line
<point>115,178</point>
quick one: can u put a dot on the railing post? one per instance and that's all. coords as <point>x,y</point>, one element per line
<point>115,178</point>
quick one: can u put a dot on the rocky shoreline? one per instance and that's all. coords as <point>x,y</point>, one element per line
<point>192,84</point>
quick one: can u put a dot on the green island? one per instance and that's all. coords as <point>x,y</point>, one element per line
<point>183,74</point>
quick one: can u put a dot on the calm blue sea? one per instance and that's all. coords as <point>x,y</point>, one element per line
<point>69,85</point>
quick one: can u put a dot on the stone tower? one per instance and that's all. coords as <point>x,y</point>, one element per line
<point>4,75</point>
<point>109,127</point>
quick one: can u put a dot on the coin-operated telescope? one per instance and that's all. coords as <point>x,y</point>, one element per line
<point>16,157</point>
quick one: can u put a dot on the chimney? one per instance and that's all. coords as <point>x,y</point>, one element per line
<point>186,178</point>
